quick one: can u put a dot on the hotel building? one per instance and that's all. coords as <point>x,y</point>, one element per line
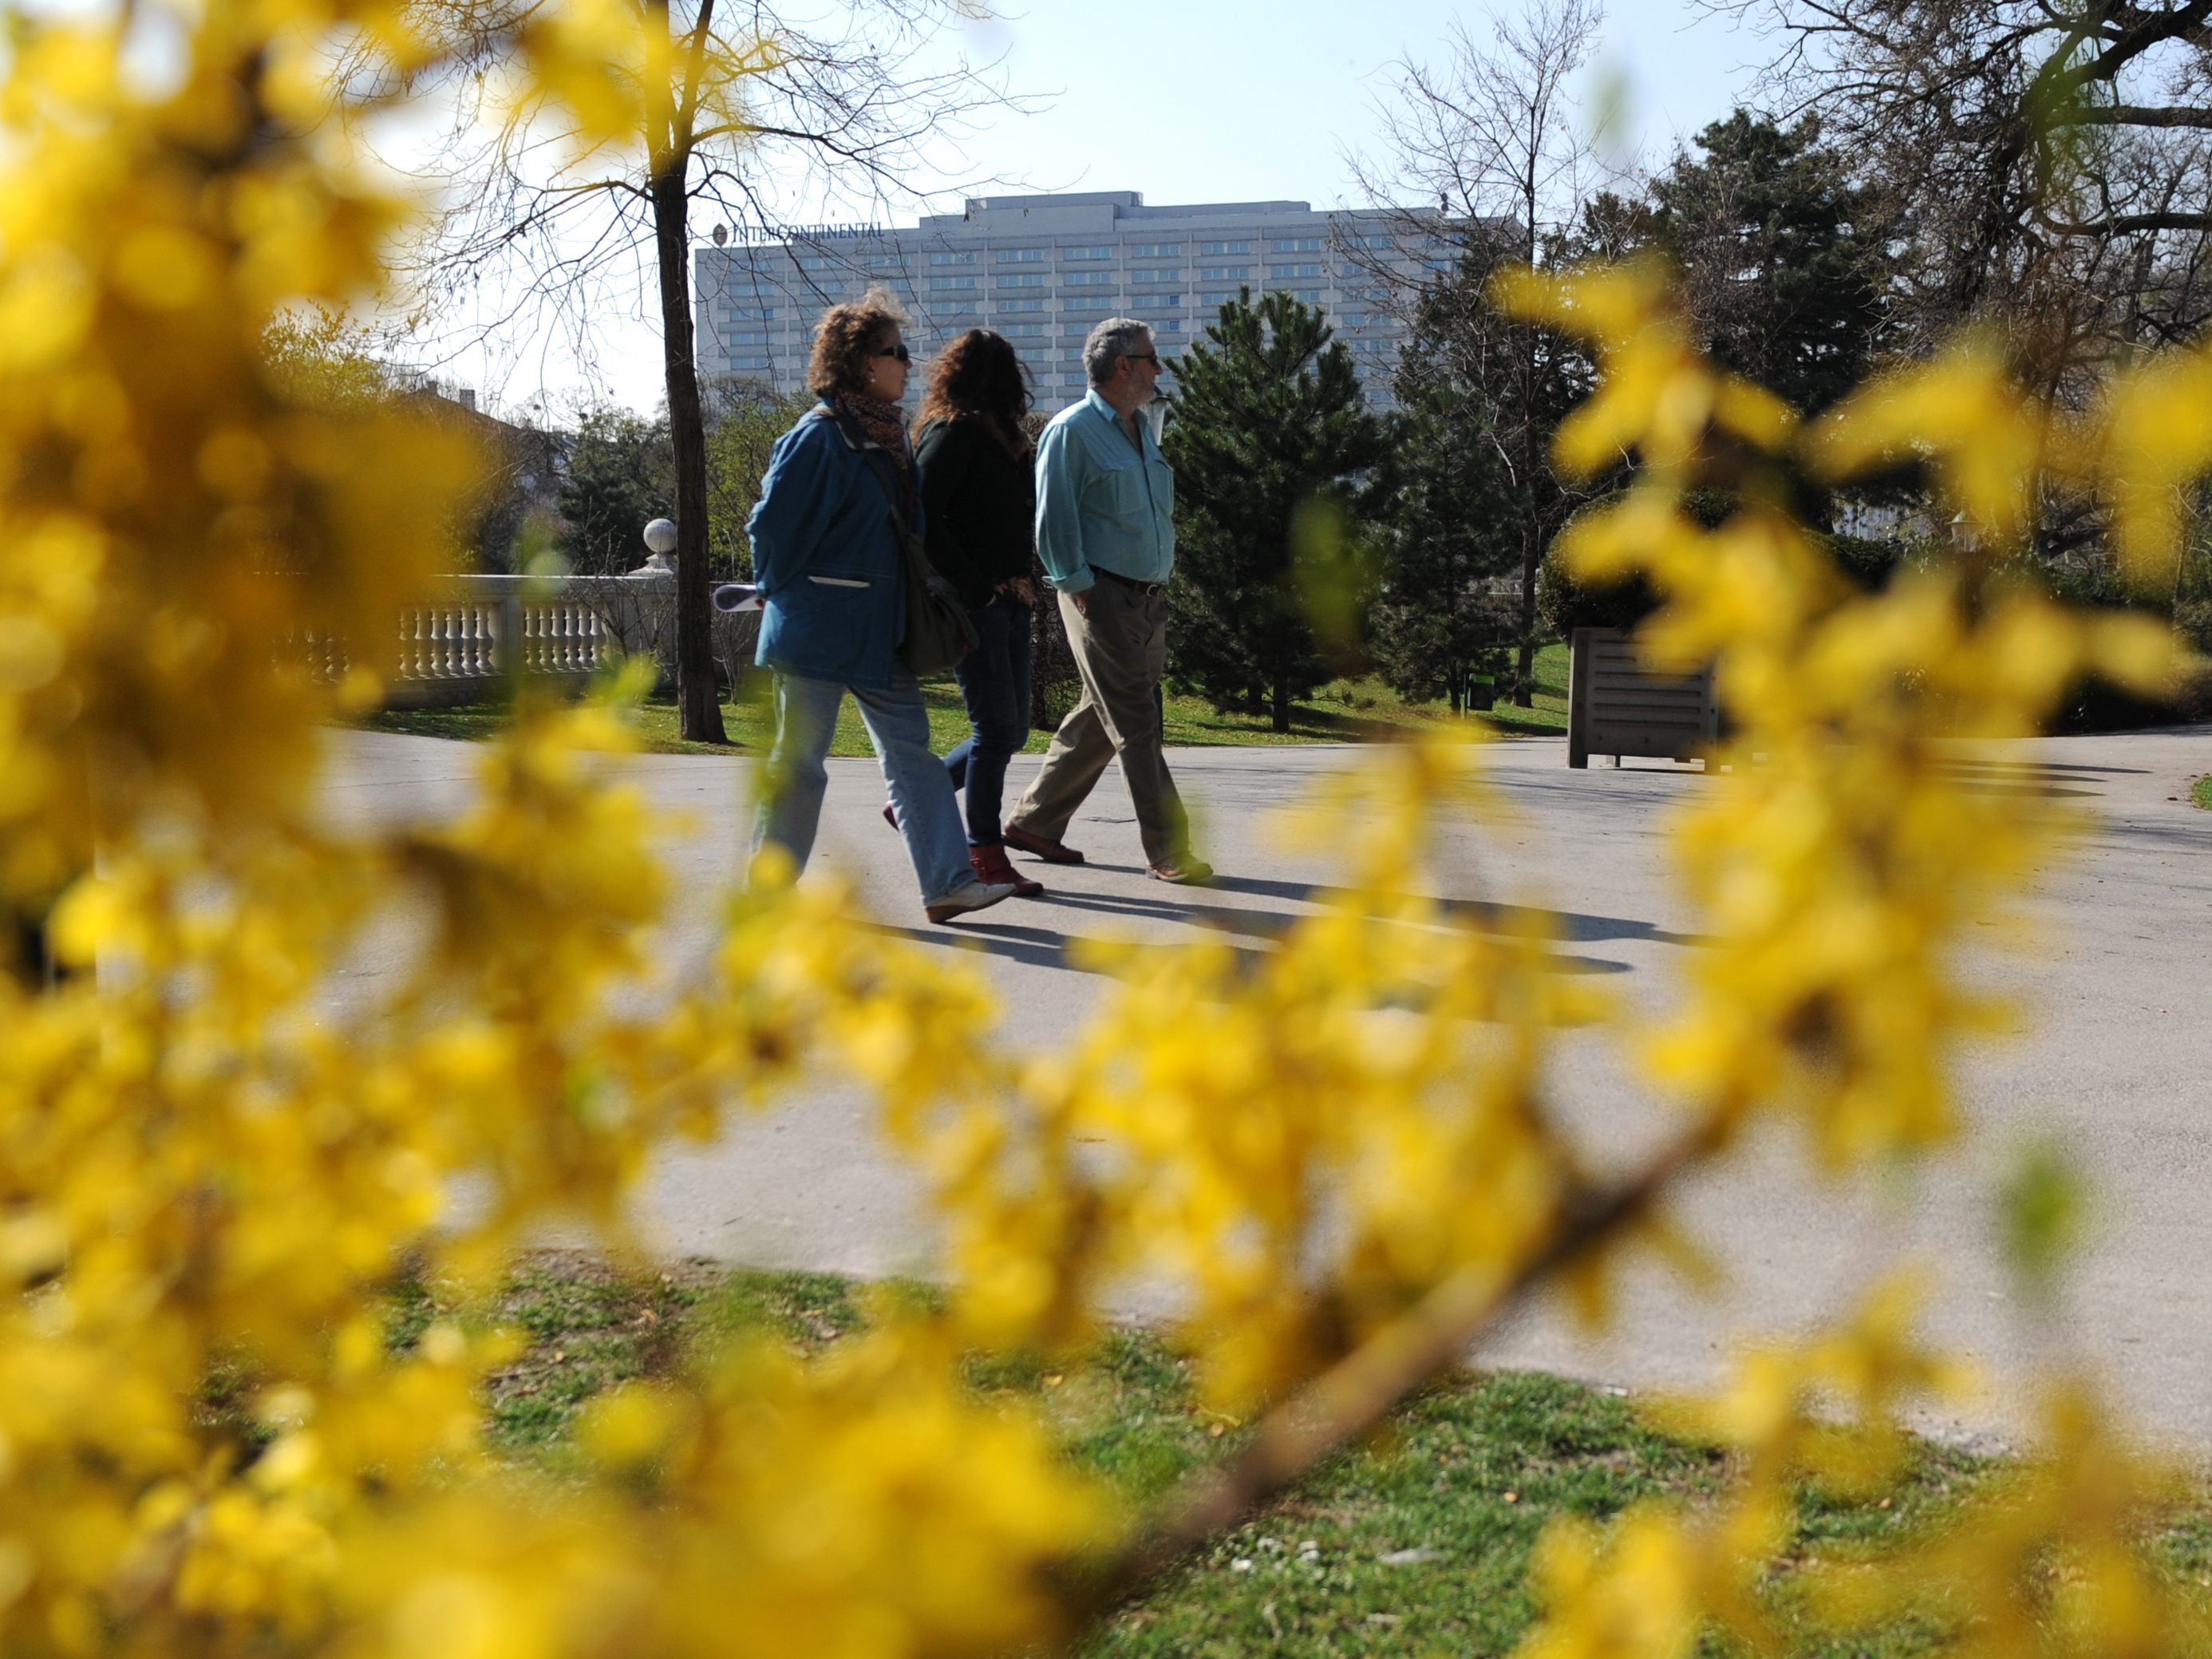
<point>1043,270</point>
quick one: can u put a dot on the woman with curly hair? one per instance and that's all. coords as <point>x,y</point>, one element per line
<point>828,557</point>
<point>979,496</point>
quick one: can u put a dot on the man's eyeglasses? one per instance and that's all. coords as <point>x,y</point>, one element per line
<point>1151,357</point>
<point>898,351</point>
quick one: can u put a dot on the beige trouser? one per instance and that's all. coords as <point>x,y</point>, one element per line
<point>1120,651</point>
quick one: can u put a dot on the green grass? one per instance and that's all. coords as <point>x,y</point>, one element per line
<point>1343,711</point>
<point>2201,793</point>
<point>1417,1543</point>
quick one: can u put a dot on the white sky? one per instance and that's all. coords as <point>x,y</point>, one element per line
<point>1200,101</point>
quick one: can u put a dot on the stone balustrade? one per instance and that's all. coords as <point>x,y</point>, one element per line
<point>462,642</point>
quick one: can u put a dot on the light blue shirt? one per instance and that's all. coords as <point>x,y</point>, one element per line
<point>1103,504</point>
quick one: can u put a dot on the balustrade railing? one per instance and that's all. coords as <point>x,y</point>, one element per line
<point>465,640</point>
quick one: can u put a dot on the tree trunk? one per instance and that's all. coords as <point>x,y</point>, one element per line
<point>1532,457</point>
<point>1524,669</point>
<point>1282,705</point>
<point>698,697</point>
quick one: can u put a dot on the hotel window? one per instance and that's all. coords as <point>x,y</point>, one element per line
<point>1224,273</point>
<point>1296,245</point>
<point>1170,275</point>
<point>1217,297</point>
<point>1092,279</point>
<point>1310,295</point>
<point>1107,251</point>
<point>1156,251</point>
<point>1026,279</point>
<point>951,284</point>
<point>963,257</point>
<point>1007,307</point>
<point>1295,271</point>
<point>1021,256</point>
<point>1205,249</point>
<point>1157,301</point>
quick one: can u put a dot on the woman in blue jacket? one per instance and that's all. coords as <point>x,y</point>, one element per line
<point>828,561</point>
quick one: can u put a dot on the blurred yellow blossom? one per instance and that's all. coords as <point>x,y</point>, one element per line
<point>215,1158</point>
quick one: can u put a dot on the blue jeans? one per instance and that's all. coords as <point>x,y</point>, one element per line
<point>898,726</point>
<point>995,678</point>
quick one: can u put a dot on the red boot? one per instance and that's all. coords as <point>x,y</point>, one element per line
<point>990,865</point>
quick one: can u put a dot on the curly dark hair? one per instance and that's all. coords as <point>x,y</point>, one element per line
<point>979,377</point>
<point>844,338</point>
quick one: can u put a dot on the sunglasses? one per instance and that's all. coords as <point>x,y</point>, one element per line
<point>1151,357</point>
<point>898,351</point>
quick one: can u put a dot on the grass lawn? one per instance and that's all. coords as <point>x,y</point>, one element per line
<point>1343,711</point>
<point>1418,1544</point>
<point>2201,793</point>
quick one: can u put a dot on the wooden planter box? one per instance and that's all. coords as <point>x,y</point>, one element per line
<point>1616,706</point>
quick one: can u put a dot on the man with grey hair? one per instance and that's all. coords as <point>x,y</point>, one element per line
<point>1105,529</point>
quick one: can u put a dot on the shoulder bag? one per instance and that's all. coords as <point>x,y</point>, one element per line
<point>938,630</point>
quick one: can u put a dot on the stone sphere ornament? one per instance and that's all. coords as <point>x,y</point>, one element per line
<point>659,542</point>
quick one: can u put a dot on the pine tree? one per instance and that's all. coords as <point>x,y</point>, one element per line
<point>1453,527</point>
<point>1267,416</point>
<point>1478,496</point>
<point>1783,257</point>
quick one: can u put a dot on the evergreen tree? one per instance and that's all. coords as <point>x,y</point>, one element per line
<point>1477,495</point>
<point>621,473</point>
<point>1784,257</point>
<point>1267,418</point>
<point>1453,527</point>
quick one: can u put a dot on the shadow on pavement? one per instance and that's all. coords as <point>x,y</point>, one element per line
<point>1581,929</point>
<point>1049,947</point>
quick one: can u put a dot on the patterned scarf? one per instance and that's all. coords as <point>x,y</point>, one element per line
<point>881,423</point>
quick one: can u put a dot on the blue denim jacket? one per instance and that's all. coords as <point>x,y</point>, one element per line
<point>827,557</point>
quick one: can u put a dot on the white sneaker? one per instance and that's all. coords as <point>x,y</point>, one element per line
<point>975,896</point>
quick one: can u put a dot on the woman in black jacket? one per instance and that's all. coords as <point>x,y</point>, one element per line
<point>979,512</point>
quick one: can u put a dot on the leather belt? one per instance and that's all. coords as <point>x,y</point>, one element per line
<point>1148,589</point>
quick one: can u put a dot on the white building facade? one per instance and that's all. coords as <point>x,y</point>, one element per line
<point>1044,270</point>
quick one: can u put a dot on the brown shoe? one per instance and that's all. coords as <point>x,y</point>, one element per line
<point>1052,852</point>
<point>1184,871</point>
<point>990,865</point>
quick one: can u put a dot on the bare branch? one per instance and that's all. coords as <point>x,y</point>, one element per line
<point>1353,1397</point>
<point>2135,115</point>
<point>2045,161</point>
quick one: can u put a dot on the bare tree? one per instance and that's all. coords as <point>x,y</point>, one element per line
<point>552,203</point>
<point>1484,149</point>
<point>2051,160</point>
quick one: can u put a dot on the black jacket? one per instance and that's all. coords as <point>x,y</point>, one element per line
<point>979,507</point>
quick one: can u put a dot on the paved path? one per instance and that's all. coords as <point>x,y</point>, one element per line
<point>2119,1062</point>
